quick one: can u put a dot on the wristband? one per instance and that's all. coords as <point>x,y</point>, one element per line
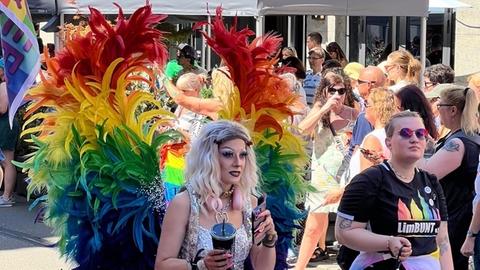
<point>270,240</point>
<point>388,245</point>
<point>471,234</point>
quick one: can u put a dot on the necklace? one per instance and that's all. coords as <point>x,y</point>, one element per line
<point>399,176</point>
<point>227,194</point>
<point>222,215</point>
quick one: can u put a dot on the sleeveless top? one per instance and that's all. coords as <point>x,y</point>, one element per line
<point>354,166</point>
<point>197,237</point>
<point>458,185</point>
<point>190,121</point>
<point>327,155</point>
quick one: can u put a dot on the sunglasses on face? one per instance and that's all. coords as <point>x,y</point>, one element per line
<point>362,82</point>
<point>407,133</point>
<point>439,105</point>
<point>428,84</point>
<point>340,91</point>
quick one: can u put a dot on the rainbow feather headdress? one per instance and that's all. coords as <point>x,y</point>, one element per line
<point>261,101</point>
<point>96,153</point>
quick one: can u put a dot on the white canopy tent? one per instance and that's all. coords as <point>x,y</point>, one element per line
<point>259,8</point>
<point>417,8</point>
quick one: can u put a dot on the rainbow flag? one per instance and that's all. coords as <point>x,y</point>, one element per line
<point>20,51</point>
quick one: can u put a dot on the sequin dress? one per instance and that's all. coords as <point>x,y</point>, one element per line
<point>197,237</point>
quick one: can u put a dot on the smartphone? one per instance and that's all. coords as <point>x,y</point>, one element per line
<point>261,206</point>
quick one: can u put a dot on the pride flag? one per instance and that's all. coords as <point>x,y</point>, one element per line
<point>20,51</point>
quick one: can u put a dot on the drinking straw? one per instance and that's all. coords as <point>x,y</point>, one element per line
<point>223,227</point>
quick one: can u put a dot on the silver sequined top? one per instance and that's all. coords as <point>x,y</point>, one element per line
<point>198,237</point>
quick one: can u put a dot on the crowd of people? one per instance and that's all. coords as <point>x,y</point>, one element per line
<point>393,152</point>
<point>385,151</point>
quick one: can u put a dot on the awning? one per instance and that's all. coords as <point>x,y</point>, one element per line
<point>447,4</point>
<point>417,8</point>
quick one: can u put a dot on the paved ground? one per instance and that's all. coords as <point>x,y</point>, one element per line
<point>28,246</point>
<point>25,245</point>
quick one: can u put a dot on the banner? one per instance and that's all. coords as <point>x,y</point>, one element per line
<point>20,51</point>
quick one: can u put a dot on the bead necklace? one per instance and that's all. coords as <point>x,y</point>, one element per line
<point>399,176</point>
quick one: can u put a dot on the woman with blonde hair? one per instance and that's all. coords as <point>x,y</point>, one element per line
<point>455,163</point>
<point>289,52</point>
<point>474,83</point>
<point>222,173</point>
<point>372,151</point>
<point>402,69</point>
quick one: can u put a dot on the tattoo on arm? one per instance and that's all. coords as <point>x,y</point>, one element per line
<point>345,223</point>
<point>451,146</point>
<point>444,245</point>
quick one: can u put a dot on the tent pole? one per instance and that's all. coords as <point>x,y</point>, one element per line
<point>423,46</point>
<point>209,50</point>
<point>289,31</point>
<point>204,47</point>
<point>347,37</point>
<point>394,33</point>
<point>259,27</point>
<point>304,36</point>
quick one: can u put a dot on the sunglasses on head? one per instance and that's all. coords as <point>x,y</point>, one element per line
<point>340,91</point>
<point>407,133</point>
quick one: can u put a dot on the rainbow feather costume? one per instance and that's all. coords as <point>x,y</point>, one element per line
<point>261,101</point>
<point>96,154</point>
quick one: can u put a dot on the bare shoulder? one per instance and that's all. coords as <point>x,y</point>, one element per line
<point>453,145</point>
<point>181,202</point>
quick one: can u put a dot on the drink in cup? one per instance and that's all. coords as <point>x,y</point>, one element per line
<point>223,236</point>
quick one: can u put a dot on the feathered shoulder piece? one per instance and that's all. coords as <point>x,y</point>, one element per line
<point>261,101</point>
<point>260,92</point>
<point>96,144</point>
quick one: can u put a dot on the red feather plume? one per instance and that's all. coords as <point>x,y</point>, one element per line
<point>251,69</point>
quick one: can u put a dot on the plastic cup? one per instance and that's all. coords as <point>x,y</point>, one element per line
<point>223,236</point>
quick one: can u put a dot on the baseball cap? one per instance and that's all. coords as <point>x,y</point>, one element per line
<point>187,51</point>
<point>353,69</point>
<point>439,88</point>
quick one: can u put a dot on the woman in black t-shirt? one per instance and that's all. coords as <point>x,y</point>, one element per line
<point>404,207</point>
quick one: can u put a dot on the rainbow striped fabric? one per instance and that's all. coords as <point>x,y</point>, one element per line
<point>20,51</point>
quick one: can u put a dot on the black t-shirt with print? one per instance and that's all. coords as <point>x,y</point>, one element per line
<point>412,210</point>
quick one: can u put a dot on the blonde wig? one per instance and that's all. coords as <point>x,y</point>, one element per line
<point>202,162</point>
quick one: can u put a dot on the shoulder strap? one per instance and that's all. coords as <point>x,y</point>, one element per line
<point>460,134</point>
<point>190,241</point>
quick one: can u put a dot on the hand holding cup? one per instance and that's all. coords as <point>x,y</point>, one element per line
<point>218,259</point>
